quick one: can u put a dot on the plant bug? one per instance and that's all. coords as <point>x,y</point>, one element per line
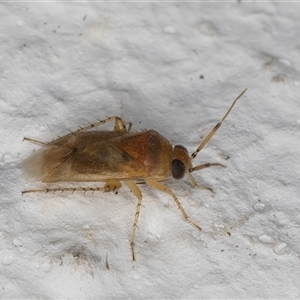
<point>116,156</point>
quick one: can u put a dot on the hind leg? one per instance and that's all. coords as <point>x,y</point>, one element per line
<point>119,126</point>
<point>112,186</point>
<point>136,191</point>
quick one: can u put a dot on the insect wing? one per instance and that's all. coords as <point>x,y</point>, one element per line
<point>43,161</point>
<point>88,156</point>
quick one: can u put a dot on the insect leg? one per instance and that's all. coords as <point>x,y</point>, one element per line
<point>77,189</point>
<point>161,187</point>
<point>204,166</point>
<point>136,191</point>
<point>119,124</point>
<point>200,167</point>
<point>112,186</point>
<point>213,131</point>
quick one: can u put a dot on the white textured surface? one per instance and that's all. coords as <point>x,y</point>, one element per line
<point>63,65</point>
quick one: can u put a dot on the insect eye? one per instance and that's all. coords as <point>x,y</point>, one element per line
<point>178,168</point>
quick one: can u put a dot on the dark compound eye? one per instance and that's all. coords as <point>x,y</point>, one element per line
<point>178,169</point>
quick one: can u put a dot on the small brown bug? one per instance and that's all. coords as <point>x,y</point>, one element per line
<point>115,156</point>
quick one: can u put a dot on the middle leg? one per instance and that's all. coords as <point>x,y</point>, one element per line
<point>163,188</point>
<point>137,192</point>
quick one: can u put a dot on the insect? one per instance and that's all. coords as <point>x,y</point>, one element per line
<point>116,156</point>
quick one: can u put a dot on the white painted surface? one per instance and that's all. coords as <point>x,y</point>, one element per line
<point>65,65</point>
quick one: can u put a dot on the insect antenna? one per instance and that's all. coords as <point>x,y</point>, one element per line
<point>213,131</point>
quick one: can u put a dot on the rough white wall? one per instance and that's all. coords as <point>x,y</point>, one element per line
<point>173,67</point>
